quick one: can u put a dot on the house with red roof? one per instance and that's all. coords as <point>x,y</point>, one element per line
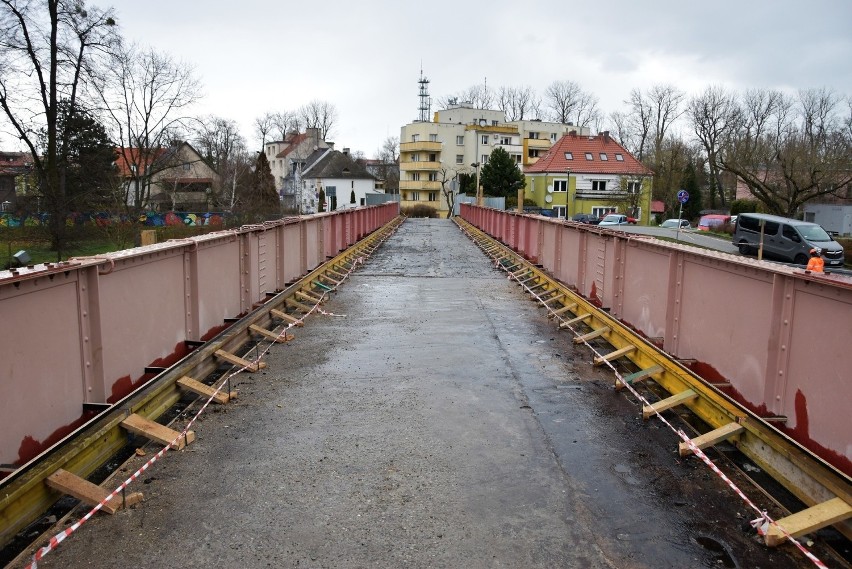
<point>591,174</point>
<point>286,160</point>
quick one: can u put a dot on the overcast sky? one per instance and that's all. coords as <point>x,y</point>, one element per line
<point>364,57</point>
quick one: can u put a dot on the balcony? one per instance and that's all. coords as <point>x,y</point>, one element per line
<point>537,142</point>
<point>420,166</point>
<point>422,145</point>
<point>419,185</point>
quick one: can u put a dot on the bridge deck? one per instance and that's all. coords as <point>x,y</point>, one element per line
<point>437,420</point>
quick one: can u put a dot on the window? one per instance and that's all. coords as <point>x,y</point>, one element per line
<point>459,140</point>
<point>533,135</point>
<point>494,123</point>
<point>459,158</point>
<point>433,196</point>
<point>598,185</point>
<point>484,159</point>
<point>433,176</point>
<point>484,139</point>
<point>415,176</point>
<point>634,187</point>
<point>433,157</point>
<point>602,211</point>
<point>559,211</point>
<point>415,196</point>
<point>415,157</point>
<point>415,137</point>
<point>433,138</point>
<point>186,167</point>
<point>506,140</point>
<point>569,156</point>
<point>560,185</point>
<point>603,156</point>
<point>589,156</point>
<point>553,137</point>
<point>517,158</point>
<point>619,157</point>
<point>532,152</point>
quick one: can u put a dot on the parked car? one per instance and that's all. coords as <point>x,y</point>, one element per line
<point>616,219</point>
<point>586,218</point>
<point>786,239</point>
<point>674,223</point>
<point>709,221</point>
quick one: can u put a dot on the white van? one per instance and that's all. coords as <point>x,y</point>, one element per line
<point>785,239</point>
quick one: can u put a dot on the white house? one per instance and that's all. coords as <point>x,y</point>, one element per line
<point>339,175</point>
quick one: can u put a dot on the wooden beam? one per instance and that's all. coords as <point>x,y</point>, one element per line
<point>614,355</point>
<point>340,276</point>
<point>309,297</point>
<point>638,376</point>
<point>810,520</point>
<point>156,432</point>
<point>297,305</point>
<point>238,361</point>
<point>204,390</point>
<point>563,310</point>
<point>89,493</point>
<point>576,320</point>
<point>592,335</point>
<point>286,317</point>
<point>327,278</point>
<point>668,403</point>
<point>555,297</point>
<point>714,437</point>
<point>269,335</point>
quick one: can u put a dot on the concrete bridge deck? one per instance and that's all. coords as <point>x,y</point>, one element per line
<point>438,420</point>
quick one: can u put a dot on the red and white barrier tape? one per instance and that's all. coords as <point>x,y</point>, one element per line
<point>54,541</point>
<point>762,523</point>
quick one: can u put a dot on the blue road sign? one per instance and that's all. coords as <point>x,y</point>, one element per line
<point>683,196</point>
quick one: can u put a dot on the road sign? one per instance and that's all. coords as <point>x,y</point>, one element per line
<point>682,196</point>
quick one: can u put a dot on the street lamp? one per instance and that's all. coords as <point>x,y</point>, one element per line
<point>479,199</point>
<point>568,193</point>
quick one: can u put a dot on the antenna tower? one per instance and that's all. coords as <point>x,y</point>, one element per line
<point>425,100</point>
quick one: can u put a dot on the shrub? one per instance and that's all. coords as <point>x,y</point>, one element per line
<point>744,206</point>
<point>420,211</point>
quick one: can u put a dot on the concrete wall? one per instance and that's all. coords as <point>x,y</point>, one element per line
<point>778,335</point>
<point>83,331</point>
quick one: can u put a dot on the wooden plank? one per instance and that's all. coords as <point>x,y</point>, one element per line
<point>308,297</point>
<point>668,403</point>
<point>238,361</point>
<point>556,297</point>
<point>614,355</point>
<point>638,376</point>
<point>714,437</point>
<point>592,335</point>
<point>286,317</point>
<point>90,493</point>
<point>563,310</point>
<point>328,279</point>
<point>205,390</point>
<point>269,335</point>
<point>809,520</point>
<point>156,432</point>
<point>576,320</point>
<point>340,276</point>
<point>297,305</point>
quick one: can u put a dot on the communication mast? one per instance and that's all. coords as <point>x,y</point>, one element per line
<point>425,100</point>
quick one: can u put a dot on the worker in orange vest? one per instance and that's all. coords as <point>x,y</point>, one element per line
<point>815,264</point>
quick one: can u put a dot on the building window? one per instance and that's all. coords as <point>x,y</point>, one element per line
<point>459,140</point>
<point>459,158</point>
<point>603,156</point>
<point>598,185</point>
<point>433,176</point>
<point>433,138</point>
<point>415,196</point>
<point>552,137</point>
<point>484,159</point>
<point>494,123</point>
<point>559,211</point>
<point>415,176</point>
<point>602,211</point>
<point>533,135</point>
<point>589,156</point>
<point>560,185</point>
<point>415,137</point>
<point>569,156</point>
<point>517,158</point>
<point>415,157</point>
<point>619,157</point>
<point>186,167</point>
<point>433,196</point>
<point>532,152</point>
<point>433,157</point>
<point>506,140</point>
<point>634,187</point>
<point>484,139</point>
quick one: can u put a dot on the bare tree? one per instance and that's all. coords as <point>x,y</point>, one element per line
<point>712,114</point>
<point>518,103</point>
<point>287,122</point>
<point>219,141</point>
<point>388,156</point>
<point>318,114</point>
<point>449,187</point>
<point>787,151</point>
<point>263,126</point>
<point>478,96</point>
<point>568,103</point>
<point>144,94</point>
<point>49,50</point>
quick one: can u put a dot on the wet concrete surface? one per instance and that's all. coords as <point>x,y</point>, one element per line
<point>437,420</point>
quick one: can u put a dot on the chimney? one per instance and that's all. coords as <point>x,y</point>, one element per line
<point>605,135</point>
<point>573,133</point>
<point>345,151</point>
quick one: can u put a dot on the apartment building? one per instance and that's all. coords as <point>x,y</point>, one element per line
<point>286,159</point>
<point>432,154</point>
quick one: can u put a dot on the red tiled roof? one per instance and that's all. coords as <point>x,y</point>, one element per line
<point>658,207</point>
<point>555,160</point>
<point>293,141</point>
<point>127,157</point>
<point>15,163</point>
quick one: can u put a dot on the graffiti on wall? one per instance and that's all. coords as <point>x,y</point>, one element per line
<point>101,219</point>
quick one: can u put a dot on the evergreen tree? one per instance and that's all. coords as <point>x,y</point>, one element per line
<point>260,199</point>
<point>689,182</point>
<point>501,175</point>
